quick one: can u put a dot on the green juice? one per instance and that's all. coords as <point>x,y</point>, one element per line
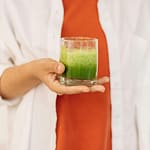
<point>80,64</point>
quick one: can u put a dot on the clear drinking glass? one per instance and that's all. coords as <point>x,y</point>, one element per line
<point>80,57</point>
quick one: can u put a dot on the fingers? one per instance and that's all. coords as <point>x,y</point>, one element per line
<point>50,65</point>
<point>48,76</point>
<point>60,68</point>
<point>55,86</point>
<point>103,80</point>
<point>78,89</point>
<point>56,67</point>
<point>62,89</point>
<point>97,88</point>
<point>73,89</point>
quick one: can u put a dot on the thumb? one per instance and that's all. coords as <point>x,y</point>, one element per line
<point>57,67</point>
<point>60,68</point>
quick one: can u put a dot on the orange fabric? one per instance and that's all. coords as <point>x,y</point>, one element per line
<point>84,119</point>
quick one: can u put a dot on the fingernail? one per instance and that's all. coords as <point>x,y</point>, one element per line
<point>102,89</point>
<point>107,79</point>
<point>59,68</point>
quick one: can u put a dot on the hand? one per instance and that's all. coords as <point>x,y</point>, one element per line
<point>46,69</point>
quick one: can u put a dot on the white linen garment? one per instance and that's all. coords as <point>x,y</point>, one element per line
<point>31,30</point>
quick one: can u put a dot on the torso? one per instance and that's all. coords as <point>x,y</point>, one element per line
<point>84,119</point>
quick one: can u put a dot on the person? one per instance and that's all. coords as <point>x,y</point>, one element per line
<point>36,112</point>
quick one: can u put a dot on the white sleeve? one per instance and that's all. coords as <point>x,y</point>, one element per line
<point>7,42</point>
<point>5,62</point>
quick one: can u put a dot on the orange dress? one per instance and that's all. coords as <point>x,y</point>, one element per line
<point>84,120</point>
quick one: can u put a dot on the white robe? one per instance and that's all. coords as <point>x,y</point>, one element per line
<point>31,29</point>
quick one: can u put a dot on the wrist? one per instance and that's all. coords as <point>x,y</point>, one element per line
<point>30,70</point>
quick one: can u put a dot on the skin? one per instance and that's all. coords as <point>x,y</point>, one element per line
<point>18,80</point>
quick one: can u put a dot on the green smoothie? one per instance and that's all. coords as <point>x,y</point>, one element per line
<point>79,64</point>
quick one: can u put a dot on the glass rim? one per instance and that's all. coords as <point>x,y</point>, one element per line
<point>78,38</point>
